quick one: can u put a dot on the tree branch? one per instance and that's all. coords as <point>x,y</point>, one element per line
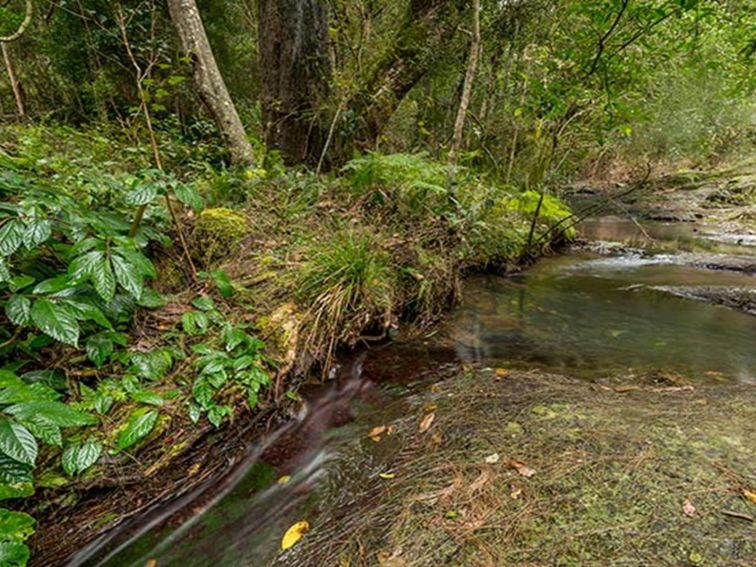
<point>22,28</point>
<point>602,41</point>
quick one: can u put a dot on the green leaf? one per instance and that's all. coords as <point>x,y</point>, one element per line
<point>138,260</point>
<point>189,196</point>
<point>204,303</point>
<point>151,299</point>
<point>58,413</point>
<point>99,348</point>
<point>20,282</point>
<point>152,365</point>
<point>43,429</point>
<point>15,479</point>
<point>147,397</point>
<point>37,232</point>
<point>84,311</point>
<point>5,274</point>
<point>195,323</point>
<point>139,425</point>
<point>56,320</point>
<point>141,194</point>
<point>11,236</point>
<point>78,457</point>
<point>27,393</point>
<point>128,276</point>
<point>13,554</point>
<point>82,267</point>
<point>18,310</point>
<point>17,442</point>
<point>223,283</point>
<point>15,525</point>
<point>103,279</point>
<point>52,285</point>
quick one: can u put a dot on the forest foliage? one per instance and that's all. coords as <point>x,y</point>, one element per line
<point>148,281</point>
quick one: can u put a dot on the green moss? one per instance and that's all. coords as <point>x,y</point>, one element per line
<point>218,233</point>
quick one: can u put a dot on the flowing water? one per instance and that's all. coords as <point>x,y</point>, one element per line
<point>586,313</point>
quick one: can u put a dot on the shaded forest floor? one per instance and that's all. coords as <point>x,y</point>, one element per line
<point>536,469</point>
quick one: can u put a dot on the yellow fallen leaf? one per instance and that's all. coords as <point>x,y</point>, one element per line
<point>294,534</point>
<point>502,372</point>
<point>750,495</point>
<point>376,432</point>
<point>387,476</point>
<point>151,563</point>
<point>426,423</point>
<point>521,468</point>
<point>284,479</point>
<point>391,430</point>
<point>514,492</point>
<point>430,407</point>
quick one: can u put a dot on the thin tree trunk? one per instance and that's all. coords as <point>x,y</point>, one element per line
<point>15,84</point>
<point>296,77</point>
<point>208,80</point>
<point>464,102</point>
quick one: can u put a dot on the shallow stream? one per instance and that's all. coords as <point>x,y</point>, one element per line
<point>597,311</point>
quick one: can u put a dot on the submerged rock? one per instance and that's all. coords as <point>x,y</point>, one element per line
<point>738,298</point>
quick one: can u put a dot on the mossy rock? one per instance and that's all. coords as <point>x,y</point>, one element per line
<point>217,233</point>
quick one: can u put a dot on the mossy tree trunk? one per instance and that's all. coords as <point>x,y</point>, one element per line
<point>296,76</point>
<point>208,80</point>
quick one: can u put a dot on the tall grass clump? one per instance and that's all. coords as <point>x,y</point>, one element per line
<point>349,284</point>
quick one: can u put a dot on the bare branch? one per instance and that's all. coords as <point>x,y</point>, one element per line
<point>22,28</point>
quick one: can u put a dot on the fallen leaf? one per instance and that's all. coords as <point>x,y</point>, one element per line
<point>514,492</point>
<point>151,563</point>
<point>492,459</point>
<point>387,476</point>
<point>391,430</point>
<point>750,495</point>
<point>430,407</point>
<point>427,422</point>
<point>502,372</point>
<point>688,508</point>
<point>294,534</point>
<point>521,468</point>
<point>376,432</point>
<point>284,479</point>
<point>451,515</point>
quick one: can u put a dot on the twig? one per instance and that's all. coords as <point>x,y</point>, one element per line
<point>738,515</point>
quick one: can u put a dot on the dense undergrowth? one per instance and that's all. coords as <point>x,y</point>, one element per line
<point>136,303</point>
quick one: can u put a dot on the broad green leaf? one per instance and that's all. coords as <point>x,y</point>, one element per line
<point>99,348</point>
<point>104,280</point>
<point>52,285</point>
<point>18,310</point>
<point>82,267</point>
<point>15,525</point>
<point>17,442</point>
<point>128,276</point>
<point>151,299</point>
<point>138,260</point>
<point>152,365</point>
<point>78,457</point>
<point>147,397</point>
<point>5,274</point>
<point>195,322</point>
<point>15,478</point>
<point>13,554</point>
<point>142,194</point>
<point>84,311</point>
<point>11,236</point>
<point>58,413</point>
<point>223,283</point>
<point>56,320</point>
<point>42,428</point>
<point>140,424</point>
<point>27,393</point>
<point>20,282</point>
<point>189,196</point>
<point>204,303</point>
<point>37,232</point>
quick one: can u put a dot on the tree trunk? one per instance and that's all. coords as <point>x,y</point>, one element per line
<point>464,103</point>
<point>208,80</point>
<point>296,76</point>
<point>15,84</point>
<point>422,38</point>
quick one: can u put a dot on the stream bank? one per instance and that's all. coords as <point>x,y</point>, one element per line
<point>578,413</point>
